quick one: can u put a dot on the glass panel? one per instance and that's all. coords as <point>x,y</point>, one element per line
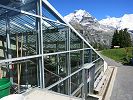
<point>76,60</point>
<point>75,41</point>
<point>94,55</point>
<point>76,80</point>
<point>2,50</point>
<point>87,56</point>
<point>54,37</point>
<point>25,5</point>
<point>27,71</point>
<point>61,88</point>
<point>23,36</point>
<point>2,36</point>
<point>55,68</point>
<point>21,30</point>
<point>48,13</point>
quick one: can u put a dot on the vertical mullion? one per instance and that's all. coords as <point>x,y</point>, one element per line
<point>68,60</point>
<point>8,44</point>
<point>83,74</point>
<point>40,44</point>
<point>43,78</point>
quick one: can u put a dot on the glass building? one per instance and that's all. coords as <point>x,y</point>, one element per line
<point>39,49</point>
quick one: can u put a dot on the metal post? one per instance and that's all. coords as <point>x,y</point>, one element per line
<point>68,59</point>
<point>83,74</point>
<point>40,44</point>
<point>26,63</point>
<point>85,87</point>
<point>92,76</point>
<point>9,56</point>
<point>4,49</point>
<point>58,67</point>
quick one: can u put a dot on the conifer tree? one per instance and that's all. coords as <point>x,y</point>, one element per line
<point>121,38</point>
<point>115,39</point>
<point>128,42</point>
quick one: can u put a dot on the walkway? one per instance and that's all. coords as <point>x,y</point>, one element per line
<point>123,85</point>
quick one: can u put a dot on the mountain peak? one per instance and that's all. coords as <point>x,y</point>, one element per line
<point>77,15</point>
<point>81,13</point>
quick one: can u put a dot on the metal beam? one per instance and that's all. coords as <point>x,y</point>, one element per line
<point>68,59</point>
<point>39,55</point>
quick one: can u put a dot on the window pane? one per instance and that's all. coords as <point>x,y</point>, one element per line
<point>75,41</point>
<point>87,56</point>
<point>27,72</point>
<point>25,5</point>
<point>54,37</point>
<point>76,80</point>
<point>76,60</point>
<point>61,88</point>
<point>55,68</point>
<point>48,13</point>
<point>21,30</point>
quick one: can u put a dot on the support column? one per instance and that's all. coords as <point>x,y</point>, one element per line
<point>8,47</point>
<point>89,79</point>
<point>85,89</point>
<point>40,44</point>
<point>83,71</point>
<point>68,61</point>
<point>4,48</point>
<point>92,77</point>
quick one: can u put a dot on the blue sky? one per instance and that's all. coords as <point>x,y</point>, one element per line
<point>97,8</point>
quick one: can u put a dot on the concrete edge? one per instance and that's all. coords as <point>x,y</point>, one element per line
<point>109,88</point>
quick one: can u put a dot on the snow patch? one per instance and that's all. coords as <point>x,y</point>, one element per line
<point>125,21</point>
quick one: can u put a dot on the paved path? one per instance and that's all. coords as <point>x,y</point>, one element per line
<point>123,85</point>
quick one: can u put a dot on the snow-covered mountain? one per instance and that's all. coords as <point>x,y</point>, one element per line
<point>125,21</point>
<point>78,16</point>
<point>93,31</point>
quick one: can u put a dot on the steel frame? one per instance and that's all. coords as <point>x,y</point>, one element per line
<point>41,54</point>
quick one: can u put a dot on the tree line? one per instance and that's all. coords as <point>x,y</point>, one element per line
<point>121,38</point>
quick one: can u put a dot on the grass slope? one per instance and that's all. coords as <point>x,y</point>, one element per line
<point>120,54</point>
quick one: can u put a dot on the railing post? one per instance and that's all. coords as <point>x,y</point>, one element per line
<point>92,77</point>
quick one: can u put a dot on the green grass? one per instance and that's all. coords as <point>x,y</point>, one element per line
<point>119,54</point>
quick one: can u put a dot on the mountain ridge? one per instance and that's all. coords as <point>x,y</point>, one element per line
<point>95,33</point>
<point>126,21</point>
<point>98,32</point>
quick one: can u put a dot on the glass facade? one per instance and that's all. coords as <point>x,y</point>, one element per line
<point>38,49</point>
